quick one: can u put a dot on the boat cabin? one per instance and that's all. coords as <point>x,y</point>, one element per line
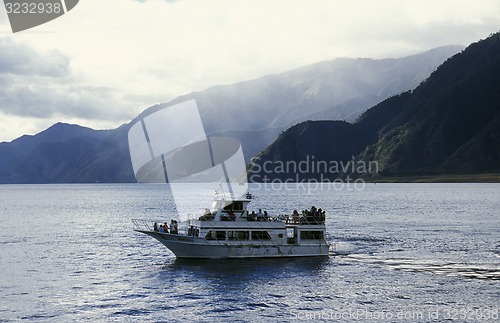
<point>228,210</point>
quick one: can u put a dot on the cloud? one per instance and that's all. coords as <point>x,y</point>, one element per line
<point>109,59</point>
<point>19,59</point>
<point>4,22</point>
<point>156,48</point>
<point>42,85</point>
<point>168,1</point>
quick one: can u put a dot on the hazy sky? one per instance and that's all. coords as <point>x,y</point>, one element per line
<point>107,60</point>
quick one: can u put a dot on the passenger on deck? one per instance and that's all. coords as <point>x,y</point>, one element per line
<point>173,227</point>
<point>260,216</point>
<point>311,215</point>
<point>231,215</point>
<point>165,227</point>
<point>319,216</point>
<point>207,215</point>
<point>155,226</point>
<point>252,216</point>
<point>295,216</point>
<point>266,216</point>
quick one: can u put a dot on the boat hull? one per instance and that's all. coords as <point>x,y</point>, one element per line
<point>198,248</point>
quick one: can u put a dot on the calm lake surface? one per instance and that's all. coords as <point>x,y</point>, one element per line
<point>404,252</point>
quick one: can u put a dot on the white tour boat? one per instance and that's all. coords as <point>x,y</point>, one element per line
<point>229,230</point>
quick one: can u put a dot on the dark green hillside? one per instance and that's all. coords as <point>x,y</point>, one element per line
<point>433,129</point>
<point>298,152</point>
<point>450,124</point>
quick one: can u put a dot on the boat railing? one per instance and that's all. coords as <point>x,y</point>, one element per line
<point>148,225</point>
<point>305,220</point>
<point>143,225</point>
<point>312,220</point>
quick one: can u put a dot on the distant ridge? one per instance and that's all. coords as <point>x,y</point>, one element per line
<point>66,153</point>
<point>57,133</point>
<point>342,89</point>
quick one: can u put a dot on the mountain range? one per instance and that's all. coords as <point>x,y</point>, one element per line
<point>255,112</point>
<point>449,124</point>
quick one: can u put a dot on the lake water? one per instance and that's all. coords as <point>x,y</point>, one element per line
<point>404,252</point>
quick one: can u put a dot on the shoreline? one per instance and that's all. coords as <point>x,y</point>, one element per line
<point>456,178</point>
<point>461,178</point>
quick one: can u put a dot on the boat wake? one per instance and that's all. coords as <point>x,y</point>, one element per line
<point>479,271</point>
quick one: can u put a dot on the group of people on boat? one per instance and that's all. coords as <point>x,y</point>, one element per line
<point>207,216</point>
<point>173,229</point>
<point>313,216</point>
<point>230,216</point>
<point>259,216</point>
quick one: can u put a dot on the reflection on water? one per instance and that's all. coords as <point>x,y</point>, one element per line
<point>244,267</point>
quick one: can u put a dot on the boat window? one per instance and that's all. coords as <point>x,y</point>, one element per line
<point>311,235</point>
<point>238,206</point>
<point>216,235</point>
<point>260,235</point>
<point>235,206</point>
<point>238,235</point>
